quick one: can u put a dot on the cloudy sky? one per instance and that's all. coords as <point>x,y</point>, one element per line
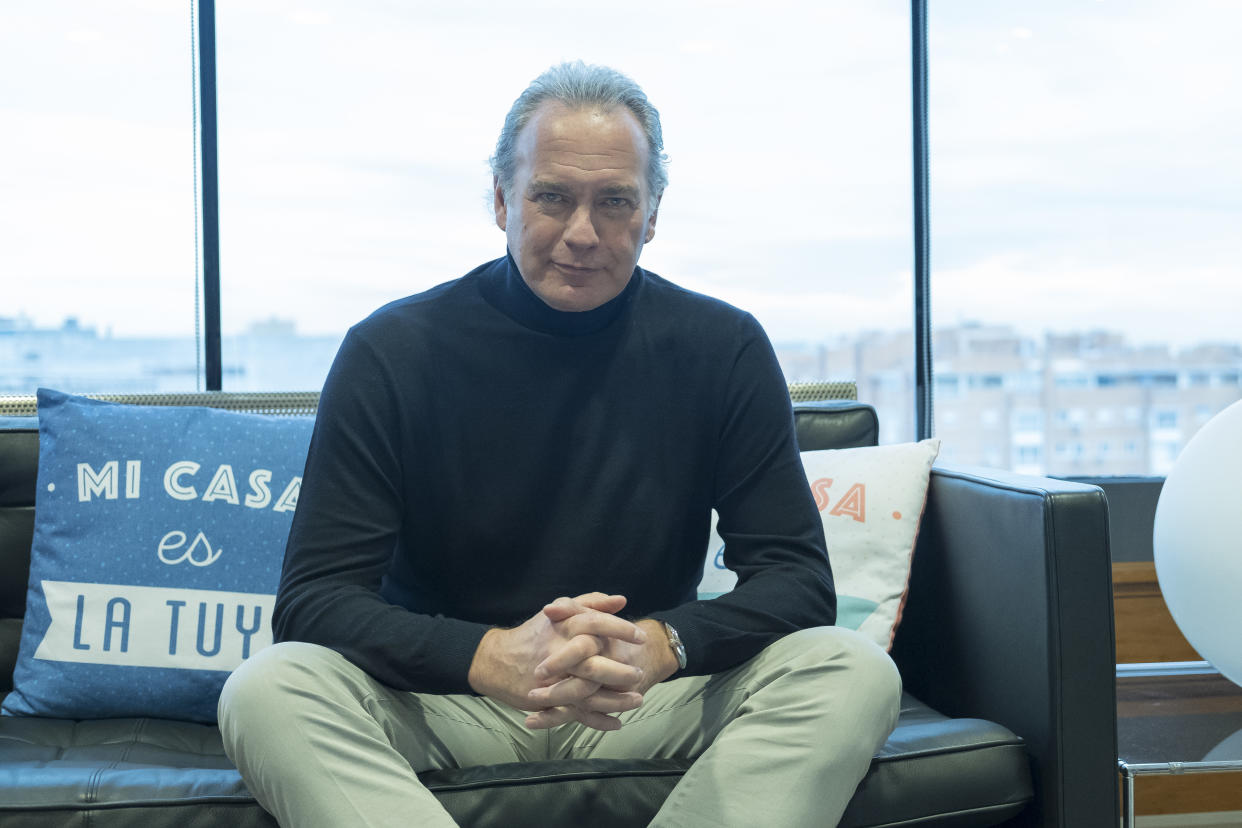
<point>1086,157</point>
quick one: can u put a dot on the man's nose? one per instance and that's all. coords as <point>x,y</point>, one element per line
<point>580,232</point>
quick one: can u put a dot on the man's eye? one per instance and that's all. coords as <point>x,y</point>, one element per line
<point>616,202</point>
<point>550,198</point>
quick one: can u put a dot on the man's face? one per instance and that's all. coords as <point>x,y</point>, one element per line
<point>577,216</point>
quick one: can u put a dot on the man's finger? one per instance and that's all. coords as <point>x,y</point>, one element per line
<point>585,694</point>
<point>560,715</point>
<point>551,717</point>
<point>565,656</point>
<point>567,691</point>
<point>610,701</point>
<point>593,622</point>
<point>602,601</point>
<point>599,721</point>
<point>607,672</point>
<point>563,608</point>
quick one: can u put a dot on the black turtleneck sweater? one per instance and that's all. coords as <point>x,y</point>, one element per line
<point>478,453</point>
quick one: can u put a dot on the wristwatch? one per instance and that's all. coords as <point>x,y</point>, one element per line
<point>674,643</point>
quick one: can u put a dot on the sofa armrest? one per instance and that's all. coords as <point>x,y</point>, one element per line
<point>1010,618</point>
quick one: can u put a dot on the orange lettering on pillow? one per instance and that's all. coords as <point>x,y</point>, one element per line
<point>854,504</point>
<point>820,489</point>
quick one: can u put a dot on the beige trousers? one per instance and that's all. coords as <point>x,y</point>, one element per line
<point>781,740</point>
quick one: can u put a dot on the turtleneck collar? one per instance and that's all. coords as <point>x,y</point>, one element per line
<point>505,289</point>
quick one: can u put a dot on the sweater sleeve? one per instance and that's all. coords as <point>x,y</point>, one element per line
<point>344,534</point>
<point>774,538</point>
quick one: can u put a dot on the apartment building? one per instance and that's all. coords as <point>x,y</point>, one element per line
<point>1079,403</point>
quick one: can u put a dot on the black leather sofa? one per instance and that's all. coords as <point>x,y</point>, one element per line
<point>1006,650</point>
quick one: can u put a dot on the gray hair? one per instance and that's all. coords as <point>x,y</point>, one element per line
<point>580,85</point>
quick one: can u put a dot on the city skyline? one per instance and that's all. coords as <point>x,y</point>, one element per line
<point>1074,403</point>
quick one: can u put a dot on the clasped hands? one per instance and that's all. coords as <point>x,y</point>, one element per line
<point>574,660</point>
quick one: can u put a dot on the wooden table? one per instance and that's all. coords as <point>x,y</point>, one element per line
<point>1179,724</point>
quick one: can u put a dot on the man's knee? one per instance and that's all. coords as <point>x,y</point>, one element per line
<point>829,650</point>
<point>261,688</point>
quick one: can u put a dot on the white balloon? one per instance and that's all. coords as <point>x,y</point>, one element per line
<point>1229,749</point>
<point>1198,542</point>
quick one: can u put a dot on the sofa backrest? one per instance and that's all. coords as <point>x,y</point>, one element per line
<point>821,424</point>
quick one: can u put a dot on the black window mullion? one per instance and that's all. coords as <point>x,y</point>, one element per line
<point>922,242</point>
<point>211,193</point>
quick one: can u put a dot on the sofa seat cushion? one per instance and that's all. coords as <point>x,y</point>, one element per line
<point>118,773</point>
<point>934,771</point>
<point>950,773</point>
<point>150,772</point>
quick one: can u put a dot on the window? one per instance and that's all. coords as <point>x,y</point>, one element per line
<point>1165,419</point>
<point>1070,417</point>
<point>1084,167</point>
<point>1164,455</point>
<point>947,384</point>
<point>97,202</point>
<point>1028,457</point>
<point>354,144</point>
<point>1029,420</point>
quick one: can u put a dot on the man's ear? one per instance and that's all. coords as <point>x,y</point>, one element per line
<point>502,211</point>
<point>651,220</point>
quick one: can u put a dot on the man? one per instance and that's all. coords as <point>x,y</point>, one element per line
<point>504,520</point>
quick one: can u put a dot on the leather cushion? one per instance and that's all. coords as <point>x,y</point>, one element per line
<point>932,771</point>
<point>835,424</point>
<point>19,460</point>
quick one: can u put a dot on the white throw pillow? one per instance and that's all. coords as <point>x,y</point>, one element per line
<point>871,501</point>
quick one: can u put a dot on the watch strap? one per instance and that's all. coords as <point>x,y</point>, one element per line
<point>675,644</point>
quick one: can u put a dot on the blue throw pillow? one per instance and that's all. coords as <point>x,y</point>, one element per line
<point>158,541</point>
